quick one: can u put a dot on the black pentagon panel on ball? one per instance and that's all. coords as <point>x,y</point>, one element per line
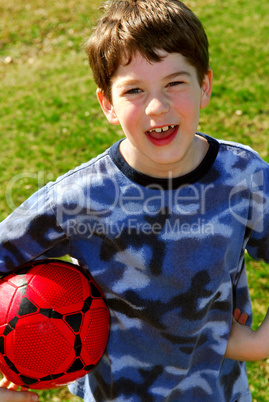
<point>52,377</point>
<point>7,330</point>
<point>94,291</point>
<point>12,324</point>
<point>2,345</point>
<point>76,366</point>
<point>89,367</point>
<point>74,321</point>
<point>27,307</point>
<point>50,313</point>
<point>77,345</point>
<point>28,380</point>
<point>87,304</point>
<point>11,365</point>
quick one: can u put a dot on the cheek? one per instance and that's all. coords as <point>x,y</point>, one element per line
<point>129,114</point>
<point>188,105</point>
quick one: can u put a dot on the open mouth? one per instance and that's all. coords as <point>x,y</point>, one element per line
<point>162,135</point>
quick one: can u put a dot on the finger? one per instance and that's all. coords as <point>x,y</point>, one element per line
<point>8,395</point>
<point>243,318</point>
<point>237,313</point>
<point>12,386</point>
<point>4,383</point>
<point>240,317</point>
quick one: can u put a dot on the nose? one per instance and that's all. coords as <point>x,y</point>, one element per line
<point>157,105</point>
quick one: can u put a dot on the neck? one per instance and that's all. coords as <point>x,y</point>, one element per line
<point>191,161</point>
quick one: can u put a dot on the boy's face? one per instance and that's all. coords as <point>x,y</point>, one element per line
<point>157,105</point>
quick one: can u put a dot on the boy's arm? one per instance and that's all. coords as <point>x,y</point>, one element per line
<point>31,231</point>
<point>244,344</point>
<point>11,395</point>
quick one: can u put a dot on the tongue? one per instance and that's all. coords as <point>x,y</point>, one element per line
<point>164,134</point>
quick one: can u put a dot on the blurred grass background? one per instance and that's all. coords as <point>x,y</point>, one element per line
<point>50,120</point>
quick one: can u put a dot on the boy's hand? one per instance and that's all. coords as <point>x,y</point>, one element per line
<point>8,393</point>
<point>240,317</point>
<point>244,344</point>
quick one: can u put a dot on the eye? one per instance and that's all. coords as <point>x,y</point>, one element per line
<point>133,91</point>
<point>175,83</point>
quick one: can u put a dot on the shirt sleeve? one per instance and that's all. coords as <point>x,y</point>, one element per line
<point>258,226</point>
<point>31,231</point>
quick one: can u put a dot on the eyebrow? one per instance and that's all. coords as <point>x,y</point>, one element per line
<point>178,73</point>
<point>131,82</point>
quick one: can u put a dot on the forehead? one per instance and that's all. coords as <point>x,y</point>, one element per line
<point>141,69</point>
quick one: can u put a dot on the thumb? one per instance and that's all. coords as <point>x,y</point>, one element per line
<point>9,395</point>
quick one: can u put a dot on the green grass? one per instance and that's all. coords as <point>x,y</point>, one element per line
<point>51,121</point>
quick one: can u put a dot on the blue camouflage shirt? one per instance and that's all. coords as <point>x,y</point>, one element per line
<point>169,257</point>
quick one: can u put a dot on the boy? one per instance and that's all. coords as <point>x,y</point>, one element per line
<point>161,219</point>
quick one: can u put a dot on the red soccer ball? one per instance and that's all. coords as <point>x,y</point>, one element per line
<point>54,324</point>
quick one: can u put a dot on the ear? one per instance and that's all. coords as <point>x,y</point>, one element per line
<point>107,107</point>
<point>206,89</point>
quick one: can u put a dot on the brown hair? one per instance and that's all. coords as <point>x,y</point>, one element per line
<point>145,26</point>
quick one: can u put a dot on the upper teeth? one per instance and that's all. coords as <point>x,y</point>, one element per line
<point>161,130</point>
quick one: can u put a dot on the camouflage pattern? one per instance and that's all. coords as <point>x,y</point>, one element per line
<point>169,256</point>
